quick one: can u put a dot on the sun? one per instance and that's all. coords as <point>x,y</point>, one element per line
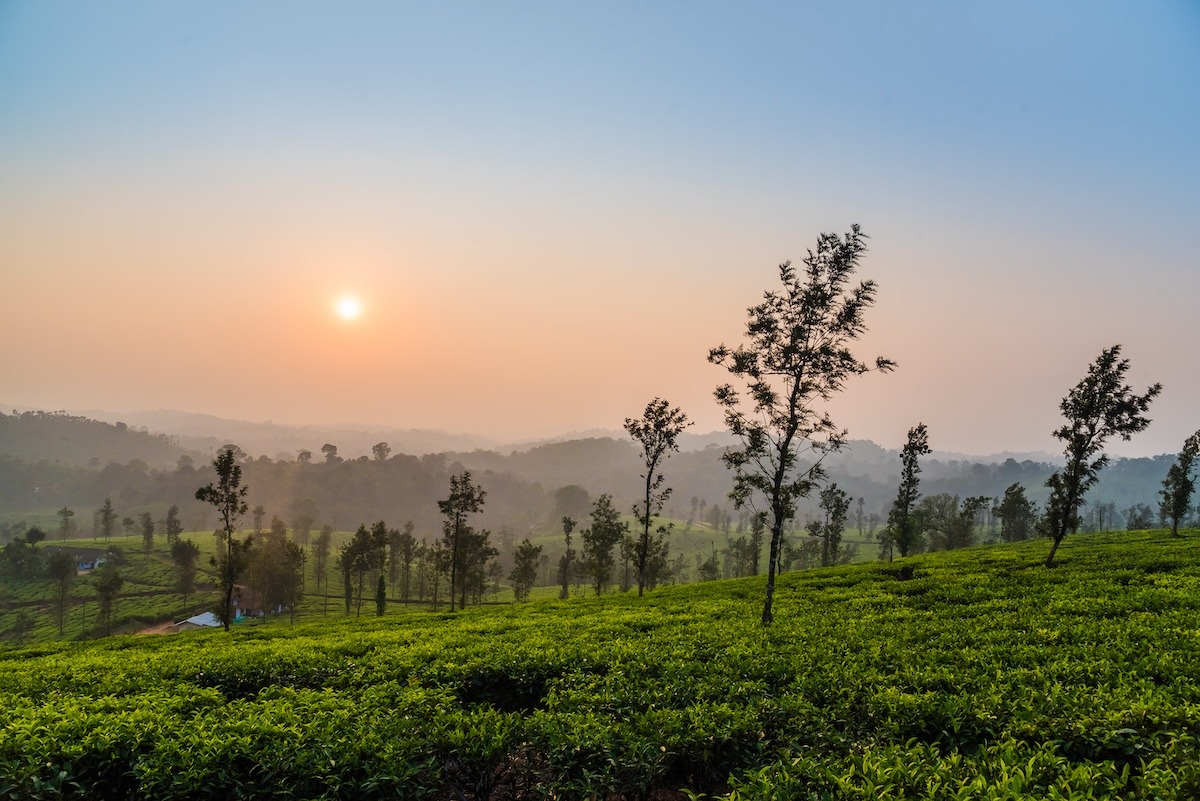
<point>349,308</point>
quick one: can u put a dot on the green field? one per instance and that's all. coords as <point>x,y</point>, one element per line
<point>970,674</point>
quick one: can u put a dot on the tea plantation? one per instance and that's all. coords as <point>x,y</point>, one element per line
<point>972,674</point>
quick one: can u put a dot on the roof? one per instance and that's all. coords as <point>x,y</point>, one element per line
<point>203,619</point>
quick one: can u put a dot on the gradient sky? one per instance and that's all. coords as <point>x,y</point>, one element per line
<point>551,211</point>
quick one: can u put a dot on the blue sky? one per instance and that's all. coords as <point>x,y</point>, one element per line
<point>530,198</point>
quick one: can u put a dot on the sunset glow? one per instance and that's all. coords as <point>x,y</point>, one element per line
<point>525,221</point>
<point>349,308</point>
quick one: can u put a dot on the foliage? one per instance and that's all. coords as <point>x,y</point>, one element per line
<point>656,432</point>
<point>599,539</point>
<point>1018,515</point>
<point>465,499</point>
<point>947,523</point>
<point>903,528</point>
<point>526,562</point>
<point>974,677</point>
<point>1100,406</point>
<point>229,498</point>
<point>184,555</point>
<point>796,358</point>
<point>566,561</point>
<point>1179,484</point>
<point>835,504</point>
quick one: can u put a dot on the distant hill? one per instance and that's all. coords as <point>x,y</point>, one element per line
<point>82,442</point>
<point>206,433</point>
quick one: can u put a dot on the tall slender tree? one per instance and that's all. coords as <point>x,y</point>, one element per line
<point>796,358</point>
<point>656,432</point>
<point>465,499</point>
<point>903,531</point>
<point>62,568</point>
<point>566,562</point>
<point>1100,406</point>
<point>229,497</point>
<point>184,554</point>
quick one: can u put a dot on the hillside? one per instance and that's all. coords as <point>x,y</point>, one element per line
<point>973,674</point>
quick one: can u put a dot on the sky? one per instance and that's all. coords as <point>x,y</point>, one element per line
<point>550,212</point>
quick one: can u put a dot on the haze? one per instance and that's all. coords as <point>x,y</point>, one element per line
<point>549,213</point>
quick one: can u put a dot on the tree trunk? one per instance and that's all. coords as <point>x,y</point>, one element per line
<point>1053,550</point>
<point>772,569</point>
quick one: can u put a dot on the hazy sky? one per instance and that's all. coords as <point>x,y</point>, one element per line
<point>551,211</point>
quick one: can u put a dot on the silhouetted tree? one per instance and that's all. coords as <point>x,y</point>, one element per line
<point>1017,514</point>
<point>108,587</point>
<point>1101,405</point>
<point>599,539</point>
<point>565,563</point>
<point>147,524</point>
<point>173,528</point>
<point>1179,484</point>
<point>381,451</point>
<point>903,529</point>
<point>320,551</point>
<point>797,357</point>
<point>106,519</point>
<point>184,554</point>
<point>572,501</point>
<point>229,498</point>
<point>465,499</point>
<point>949,524</point>
<point>66,523</point>
<point>656,432</point>
<point>835,504</point>
<point>526,561</point>
<point>1139,517</point>
<point>331,453</point>
<point>61,567</point>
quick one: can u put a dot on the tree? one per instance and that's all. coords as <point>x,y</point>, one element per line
<point>184,554</point>
<point>599,539</point>
<point>656,431</point>
<point>1017,514</point>
<point>62,568</point>
<point>1139,517</point>
<point>108,586</point>
<point>526,561</point>
<point>106,519</point>
<point>172,527</point>
<point>380,595</point>
<point>331,454</point>
<point>320,551</point>
<point>1100,406</point>
<point>304,516</point>
<point>564,564</point>
<point>147,523</point>
<point>1179,484</point>
<point>66,523</point>
<point>903,530</point>
<point>835,503</point>
<point>229,498</point>
<point>381,451</point>
<point>572,501</point>
<point>258,514</point>
<point>797,358</point>
<point>304,456</point>
<point>293,577</point>
<point>465,499</point>
<point>129,524</point>
<point>948,523</point>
